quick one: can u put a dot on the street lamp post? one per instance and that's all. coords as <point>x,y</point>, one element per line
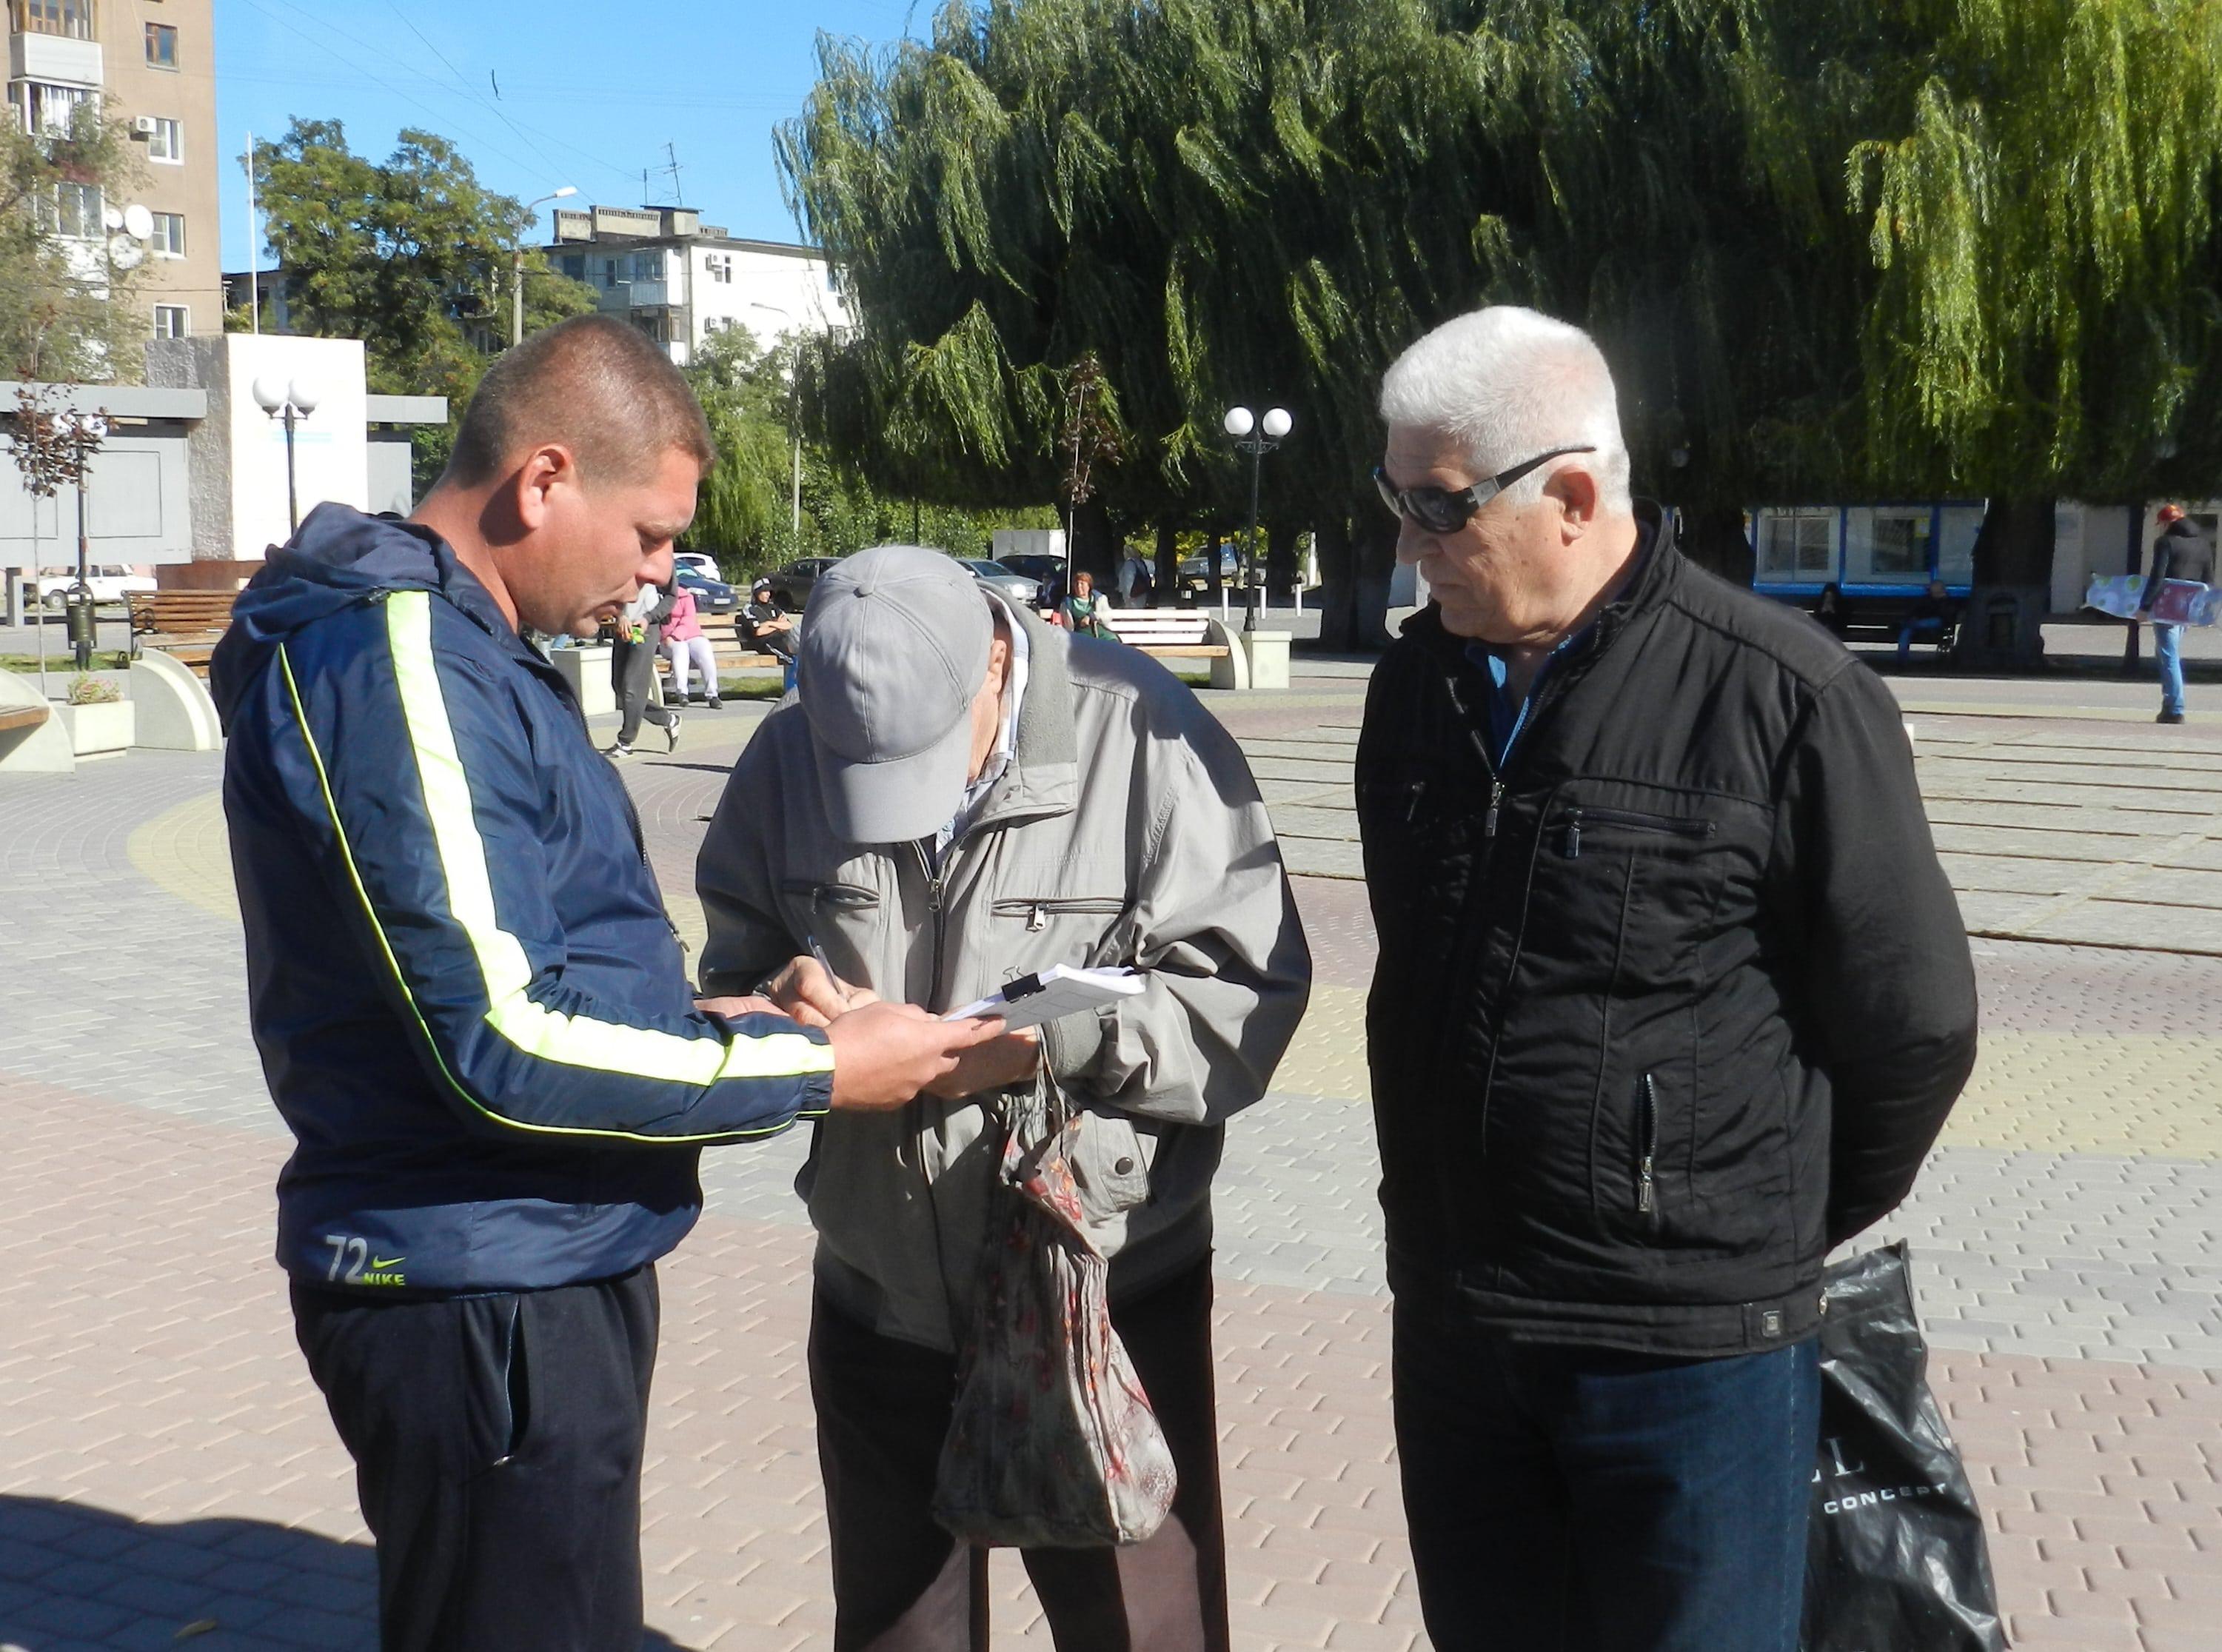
<point>1257,437</point>
<point>795,419</point>
<point>291,403</point>
<point>517,269</point>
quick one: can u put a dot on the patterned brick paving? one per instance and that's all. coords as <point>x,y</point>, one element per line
<point>165,1465</point>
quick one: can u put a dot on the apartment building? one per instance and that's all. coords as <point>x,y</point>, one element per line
<point>683,282</point>
<point>154,63</point>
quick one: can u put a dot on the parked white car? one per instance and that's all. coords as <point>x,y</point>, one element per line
<point>111,582</point>
<point>701,561</point>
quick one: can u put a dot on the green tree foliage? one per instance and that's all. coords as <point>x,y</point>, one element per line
<point>413,256</point>
<point>66,309</point>
<point>1834,248</point>
<point>745,514</point>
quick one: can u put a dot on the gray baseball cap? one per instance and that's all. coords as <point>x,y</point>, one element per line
<point>895,646</point>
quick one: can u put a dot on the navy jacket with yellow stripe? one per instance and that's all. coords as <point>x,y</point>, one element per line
<point>470,1005</point>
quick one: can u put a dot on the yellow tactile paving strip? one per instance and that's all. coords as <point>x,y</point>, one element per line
<point>187,853</point>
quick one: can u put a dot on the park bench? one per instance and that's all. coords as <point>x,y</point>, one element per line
<point>1166,633</point>
<point>726,647</point>
<point>185,625</point>
<point>1181,634</point>
<point>1879,619</point>
<point>16,720</point>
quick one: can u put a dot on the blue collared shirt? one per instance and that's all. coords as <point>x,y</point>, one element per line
<point>1508,718</point>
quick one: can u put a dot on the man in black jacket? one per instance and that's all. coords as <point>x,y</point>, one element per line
<point>1672,997</point>
<point>2180,552</point>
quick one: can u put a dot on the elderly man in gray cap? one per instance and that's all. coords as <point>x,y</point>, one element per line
<point>962,794</point>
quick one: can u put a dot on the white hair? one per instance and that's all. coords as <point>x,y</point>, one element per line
<point>1506,384</point>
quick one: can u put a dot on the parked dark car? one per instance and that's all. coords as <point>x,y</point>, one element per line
<point>791,585</point>
<point>1017,587</point>
<point>711,596</point>
<point>1196,572</point>
<point>1042,569</point>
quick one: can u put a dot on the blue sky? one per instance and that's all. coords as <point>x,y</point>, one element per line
<point>589,94</point>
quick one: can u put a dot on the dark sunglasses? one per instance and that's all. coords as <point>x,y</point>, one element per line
<point>1438,509</point>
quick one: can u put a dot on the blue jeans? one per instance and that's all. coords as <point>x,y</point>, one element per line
<point>2167,653</point>
<point>1905,635</point>
<point>1568,1499</point>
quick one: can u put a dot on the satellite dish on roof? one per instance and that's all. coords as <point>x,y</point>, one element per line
<point>138,222</point>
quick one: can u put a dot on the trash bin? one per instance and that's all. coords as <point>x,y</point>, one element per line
<point>83,626</point>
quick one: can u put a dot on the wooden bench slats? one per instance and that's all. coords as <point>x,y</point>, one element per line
<point>1165,635</point>
<point>15,717</point>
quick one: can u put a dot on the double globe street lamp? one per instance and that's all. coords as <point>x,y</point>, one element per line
<point>1257,437</point>
<point>292,402</point>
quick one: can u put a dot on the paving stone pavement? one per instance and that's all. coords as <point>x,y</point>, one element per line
<point>165,1463</point>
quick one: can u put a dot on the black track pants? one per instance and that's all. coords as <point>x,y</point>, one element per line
<point>497,1443</point>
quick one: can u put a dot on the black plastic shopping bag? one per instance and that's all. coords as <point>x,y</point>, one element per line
<point>1896,1560</point>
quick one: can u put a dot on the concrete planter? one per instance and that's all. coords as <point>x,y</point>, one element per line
<point>587,669</point>
<point>1269,657</point>
<point>97,731</point>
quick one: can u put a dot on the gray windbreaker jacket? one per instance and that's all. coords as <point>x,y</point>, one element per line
<point>1126,830</point>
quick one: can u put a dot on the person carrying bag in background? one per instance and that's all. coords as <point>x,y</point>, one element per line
<point>632,669</point>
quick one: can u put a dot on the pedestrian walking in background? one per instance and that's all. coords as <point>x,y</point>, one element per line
<point>471,1007</point>
<point>1672,995</point>
<point>687,647</point>
<point>2180,552</point>
<point>962,796</point>
<point>632,669</point>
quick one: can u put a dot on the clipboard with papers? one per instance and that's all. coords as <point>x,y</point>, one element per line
<point>1029,999</point>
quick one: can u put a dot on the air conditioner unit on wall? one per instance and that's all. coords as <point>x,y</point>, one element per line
<point>142,126</point>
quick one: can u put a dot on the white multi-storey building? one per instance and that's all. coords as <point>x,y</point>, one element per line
<point>682,281</point>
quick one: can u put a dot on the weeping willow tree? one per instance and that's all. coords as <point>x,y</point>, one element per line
<point>1834,248</point>
<point>2046,318</point>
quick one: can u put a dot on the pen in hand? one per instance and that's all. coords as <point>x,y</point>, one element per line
<point>827,964</point>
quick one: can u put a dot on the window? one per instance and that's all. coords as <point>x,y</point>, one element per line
<point>1797,544</point>
<point>169,238</point>
<point>575,266</point>
<point>71,17</point>
<point>172,321</point>
<point>76,211</point>
<point>166,141</point>
<point>1889,545</point>
<point>647,266</point>
<point>162,45</point>
<point>49,109</point>
<point>1956,546</point>
<point>720,266</point>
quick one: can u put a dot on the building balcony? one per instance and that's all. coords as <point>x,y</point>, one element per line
<point>634,295</point>
<point>56,59</point>
<point>71,17</point>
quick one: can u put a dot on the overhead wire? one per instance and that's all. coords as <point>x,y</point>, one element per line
<point>386,86</point>
<point>434,83</point>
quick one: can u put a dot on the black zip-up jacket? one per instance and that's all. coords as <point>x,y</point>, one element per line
<point>2180,553</point>
<point>1678,1000</point>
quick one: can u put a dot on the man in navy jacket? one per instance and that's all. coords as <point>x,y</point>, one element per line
<point>472,1009</point>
